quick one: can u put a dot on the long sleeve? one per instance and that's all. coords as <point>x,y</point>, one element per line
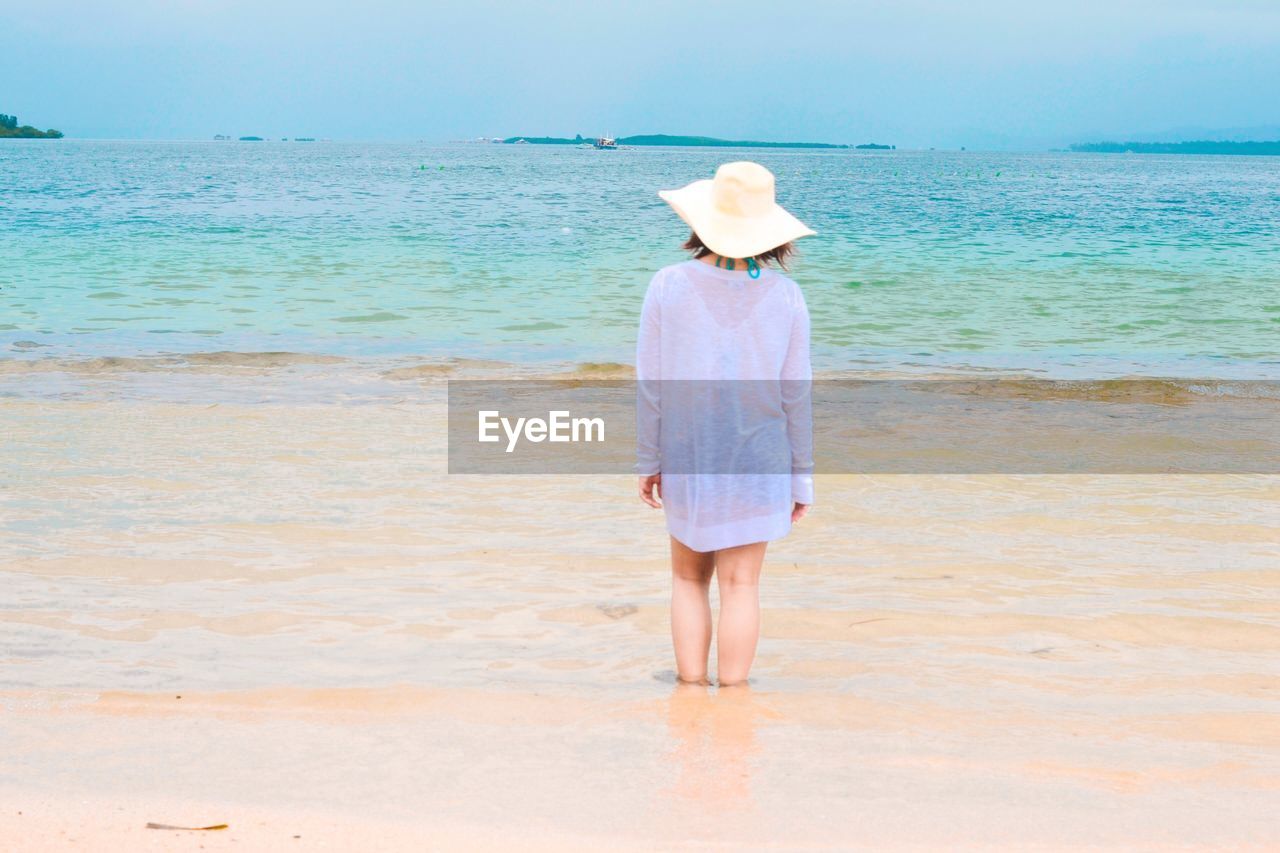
<point>797,402</point>
<point>649,381</point>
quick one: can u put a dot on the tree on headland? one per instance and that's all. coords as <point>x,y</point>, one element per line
<point>9,129</point>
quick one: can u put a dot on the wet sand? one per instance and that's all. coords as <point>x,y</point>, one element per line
<point>405,767</point>
<point>370,653</point>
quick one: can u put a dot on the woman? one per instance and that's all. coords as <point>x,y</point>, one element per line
<point>724,440</point>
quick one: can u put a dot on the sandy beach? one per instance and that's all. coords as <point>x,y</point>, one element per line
<point>229,603</point>
<point>414,768</point>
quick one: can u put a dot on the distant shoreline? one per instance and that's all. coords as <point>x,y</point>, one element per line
<point>10,129</point>
<point>1194,147</point>
<point>663,139</point>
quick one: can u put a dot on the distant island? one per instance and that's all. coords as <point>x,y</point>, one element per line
<point>1197,147</point>
<point>222,137</point>
<point>9,129</point>
<point>690,141</point>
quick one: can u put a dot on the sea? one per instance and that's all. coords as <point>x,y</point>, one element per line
<point>1055,265</point>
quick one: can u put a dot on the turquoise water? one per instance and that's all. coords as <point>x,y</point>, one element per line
<point>1055,262</point>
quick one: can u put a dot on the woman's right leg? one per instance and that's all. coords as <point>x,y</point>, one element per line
<point>691,609</point>
<point>738,570</point>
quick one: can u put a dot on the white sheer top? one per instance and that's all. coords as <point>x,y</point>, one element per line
<point>723,409</point>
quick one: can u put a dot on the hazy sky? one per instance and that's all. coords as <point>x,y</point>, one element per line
<point>983,73</point>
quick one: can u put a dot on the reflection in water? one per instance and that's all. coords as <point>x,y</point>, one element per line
<point>713,747</point>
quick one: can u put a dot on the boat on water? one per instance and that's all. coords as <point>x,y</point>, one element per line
<point>606,143</point>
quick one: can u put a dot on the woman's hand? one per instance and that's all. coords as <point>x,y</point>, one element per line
<point>799,511</point>
<point>650,487</point>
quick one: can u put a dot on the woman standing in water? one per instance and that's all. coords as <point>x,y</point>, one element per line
<point>724,436</point>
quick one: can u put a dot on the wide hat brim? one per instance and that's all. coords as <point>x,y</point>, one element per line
<point>728,235</point>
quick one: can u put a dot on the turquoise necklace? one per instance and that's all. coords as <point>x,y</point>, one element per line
<point>753,268</point>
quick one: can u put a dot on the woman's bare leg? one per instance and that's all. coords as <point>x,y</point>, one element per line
<point>738,571</point>
<point>691,609</point>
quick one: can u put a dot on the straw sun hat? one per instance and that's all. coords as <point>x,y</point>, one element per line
<point>735,214</point>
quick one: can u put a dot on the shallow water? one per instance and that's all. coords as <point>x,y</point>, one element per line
<point>154,544</point>
<point>284,604</point>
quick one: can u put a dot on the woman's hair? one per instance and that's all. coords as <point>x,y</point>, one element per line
<point>777,255</point>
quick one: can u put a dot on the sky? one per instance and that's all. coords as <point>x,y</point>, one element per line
<point>991,74</point>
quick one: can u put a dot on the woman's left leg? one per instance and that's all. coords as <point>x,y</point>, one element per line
<point>691,610</point>
<point>738,572</point>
